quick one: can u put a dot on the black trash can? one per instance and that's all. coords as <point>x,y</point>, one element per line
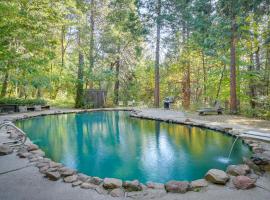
<point>166,105</point>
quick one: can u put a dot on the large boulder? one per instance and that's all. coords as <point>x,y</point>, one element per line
<point>53,169</point>
<point>111,183</point>
<point>243,182</point>
<point>132,185</point>
<point>54,176</point>
<point>266,167</point>
<point>177,186</point>
<point>258,149</point>
<point>197,184</point>
<point>95,180</point>
<point>32,147</point>
<point>45,160</point>
<point>152,185</point>
<point>38,152</point>
<point>262,160</point>
<point>76,183</point>
<point>24,155</point>
<point>251,164</point>
<point>35,159</point>
<point>266,156</point>
<point>64,171</point>
<point>44,169</point>
<point>5,150</point>
<point>217,176</point>
<point>42,164</point>
<point>236,170</point>
<point>53,164</point>
<point>70,179</point>
<point>83,177</point>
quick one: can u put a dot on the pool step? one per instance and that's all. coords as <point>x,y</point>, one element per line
<point>256,135</point>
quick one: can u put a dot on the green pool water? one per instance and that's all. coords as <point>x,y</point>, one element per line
<point>112,144</point>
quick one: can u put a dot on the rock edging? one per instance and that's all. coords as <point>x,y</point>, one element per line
<point>116,187</point>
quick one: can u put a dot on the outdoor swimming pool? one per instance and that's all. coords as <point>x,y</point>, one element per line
<point>112,144</point>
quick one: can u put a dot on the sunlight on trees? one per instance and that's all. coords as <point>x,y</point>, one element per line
<point>196,51</point>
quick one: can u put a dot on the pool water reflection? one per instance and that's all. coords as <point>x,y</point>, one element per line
<point>111,144</point>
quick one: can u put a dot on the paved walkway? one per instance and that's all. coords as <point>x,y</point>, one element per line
<point>20,180</point>
<point>209,121</point>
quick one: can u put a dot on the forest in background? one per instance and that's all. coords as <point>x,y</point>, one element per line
<point>196,51</point>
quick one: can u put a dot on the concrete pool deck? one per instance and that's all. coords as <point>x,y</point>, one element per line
<point>228,121</point>
<point>20,179</point>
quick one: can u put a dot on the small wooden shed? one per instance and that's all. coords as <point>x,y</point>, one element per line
<point>95,98</point>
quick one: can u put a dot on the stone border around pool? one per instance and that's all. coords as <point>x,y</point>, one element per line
<point>243,176</point>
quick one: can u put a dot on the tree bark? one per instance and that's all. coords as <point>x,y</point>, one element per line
<point>220,82</point>
<point>158,24</point>
<point>186,90</point>
<point>92,41</point>
<point>62,47</point>
<point>233,94</point>
<point>4,85</point>
<point>117,82</point>
<point>252,91</point>
<point>54,92</point>
<point>257,55</point>
<point>39,93</point>
<point>267,71</point>
<point>186,87</point>
<point>79,92</point>
<point>204,77</point>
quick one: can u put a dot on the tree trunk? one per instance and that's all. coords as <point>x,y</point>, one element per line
<point>4,86</point>
<point>117,82</point>
<point>198,90</point>
<point>220,82</point>
<point>204,77</point>
<point>54,94</point>
<point>62,47</point>
<point>186,90</point>
<point>257,55</point>
<point>21,91</point>
<point>156,93</point>
<point>79,93</point>
<point>92,41</point>
<point>233,95</point>
<point>267,71</point>
<point>186,87</point>
<point>259,90</point>
<point>39,93</point>
<point>252,91</point>
<point>267,64</point>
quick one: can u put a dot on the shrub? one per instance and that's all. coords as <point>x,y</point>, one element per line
<point>22,102</point>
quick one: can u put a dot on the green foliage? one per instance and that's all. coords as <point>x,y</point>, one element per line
<point>22,102</point>
<point>39,51</point>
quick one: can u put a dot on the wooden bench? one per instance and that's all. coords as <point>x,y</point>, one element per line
<point>216,109</point>
<point>15,108</point>
<point>33,108</point>
<point>46,107</point>
<point>9,108</point>
<point>30,108</point>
